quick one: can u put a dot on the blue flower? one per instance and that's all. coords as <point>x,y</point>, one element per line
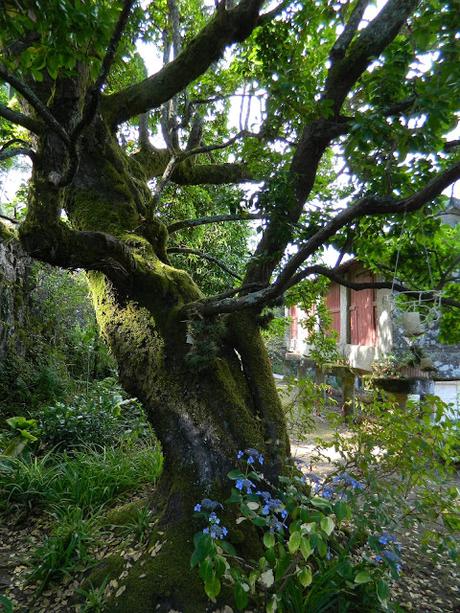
<point>284,514</point>
<point>197,508</point>
<point>244,483</point>
<point>250,460</point>
<point>327,493</point>
<point>378,558</point>
<point>261,459</point>
<point>216,532</point>
<point>240,454</point>
<point>391,555</point>
<point>386,538</point>
<point>266,510</point>
<point>213,519</point>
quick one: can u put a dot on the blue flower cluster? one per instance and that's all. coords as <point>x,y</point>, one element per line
<point>348,480</point>
<point>215,530</point>
<point>388,539</point>
<point>245,484</point>
<point>273,509</point>
<point>252,456</point>
<point>391,556</point>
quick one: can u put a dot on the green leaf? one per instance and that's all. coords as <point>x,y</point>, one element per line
<point>363,577</point>
<point>212,587</point>
<point>321,547</point>
<point>7,605</point>
<point>241,595</point>
<point>305,576</point>
<point>382,591</point>
<point>206,569</point>
<point>327,525</point>
<point>235,474</point>
<point>341,510</point>
<point>305,547</point>
<point>294,542</point>
<point>269,540</point>
<point>228,548</point>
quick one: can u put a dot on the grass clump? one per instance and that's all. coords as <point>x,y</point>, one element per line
<point>88,479</point>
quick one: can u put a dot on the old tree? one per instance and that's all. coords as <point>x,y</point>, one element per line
<point>338,113</point>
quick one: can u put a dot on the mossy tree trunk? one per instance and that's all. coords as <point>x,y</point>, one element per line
<point>205,400</point>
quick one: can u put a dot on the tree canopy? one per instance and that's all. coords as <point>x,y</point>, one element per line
<point>339,113</point>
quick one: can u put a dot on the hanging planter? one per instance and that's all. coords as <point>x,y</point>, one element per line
<point>412,323</point>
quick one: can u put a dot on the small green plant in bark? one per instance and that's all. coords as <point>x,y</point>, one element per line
<point>313,559</point>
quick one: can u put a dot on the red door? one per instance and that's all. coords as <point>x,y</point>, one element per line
<point>333,305</point>
<point>362,313</point>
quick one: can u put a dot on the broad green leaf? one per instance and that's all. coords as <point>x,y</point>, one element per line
<point>363,577</point>
<point>305,576</point>
<point>269,540</point>
<point>294,542</point>
<point>212,587</point>
<point>327,524</point>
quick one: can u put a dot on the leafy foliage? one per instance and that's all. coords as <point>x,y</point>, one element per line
<point>406,459</point>
<point>313,558</point>
<point>87,479</point>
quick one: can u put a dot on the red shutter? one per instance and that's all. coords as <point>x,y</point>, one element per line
<point>362,313</point>
<point>294,322</point>
<point>333,305</point>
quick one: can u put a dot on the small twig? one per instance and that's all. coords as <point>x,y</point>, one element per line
<point>10,219</point>
<point>199,221</point>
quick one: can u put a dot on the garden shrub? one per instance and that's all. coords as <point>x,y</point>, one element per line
<point>314,557</point>
<point>100,416</point>
<point>405,456</point>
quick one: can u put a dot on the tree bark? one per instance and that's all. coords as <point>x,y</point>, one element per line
<point>206,384</point>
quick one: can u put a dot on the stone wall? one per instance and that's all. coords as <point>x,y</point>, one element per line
<point>16,284</point>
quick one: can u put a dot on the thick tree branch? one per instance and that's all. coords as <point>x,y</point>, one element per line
<point>59,245</point>
<point>370,206</point>
<point>369,44</point>
<point>205,256</point>
<point>21,120</point>
<point>343,42</point>
<point>93,95</point>
<point>154,162</point>
<point>13,152</point>
<point>226,27</point>
<point>35,102</point>
<point>364,207</point>
<point>199,221</point>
